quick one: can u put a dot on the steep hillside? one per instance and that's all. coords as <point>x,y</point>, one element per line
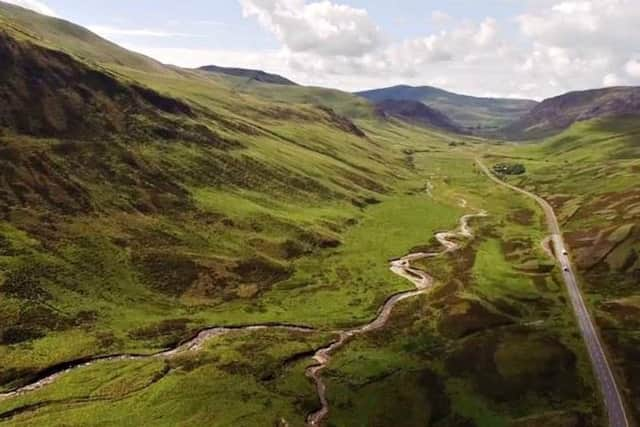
<point>476,114</point>
<point>48,93</point>
<point>73,39</point>
<point>343,103</point>
<point>418,113</point>
<point>252,75</point>
<point>556,114</point>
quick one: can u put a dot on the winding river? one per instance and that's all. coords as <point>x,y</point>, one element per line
<point>50,375</point>
<point>402,267</point>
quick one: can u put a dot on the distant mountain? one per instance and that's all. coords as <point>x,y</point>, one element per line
<point>556,114</point>
<point>473,113</point>
<point>257,75</point>
<point>417,113</point>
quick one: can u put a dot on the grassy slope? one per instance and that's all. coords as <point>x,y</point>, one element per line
<point>343,103</point>
<point>554,115</point>
<point>590,174</point>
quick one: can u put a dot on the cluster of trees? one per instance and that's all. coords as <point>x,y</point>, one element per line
<point>509,169</point>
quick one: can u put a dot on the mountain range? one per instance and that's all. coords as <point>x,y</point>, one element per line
<point>472,113</point>
<point>513,118</point>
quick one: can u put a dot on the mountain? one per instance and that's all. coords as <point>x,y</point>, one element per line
<point>473,113</point>
<point>418,113</point>
<point>256,75</point>
<point>556,114</point>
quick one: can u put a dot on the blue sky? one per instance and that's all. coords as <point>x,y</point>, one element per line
<point>216,19</point>
<point>513,48</point>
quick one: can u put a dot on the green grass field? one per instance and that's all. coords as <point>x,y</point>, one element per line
<point>464,353</point>
<point>589,173</point>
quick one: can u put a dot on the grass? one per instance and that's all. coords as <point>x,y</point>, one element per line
<point>495,276</point>
<point>497,309</point>
<point>236,379</point>
<point>589,173</point>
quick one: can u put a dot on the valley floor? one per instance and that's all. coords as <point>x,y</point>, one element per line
<point>492,344</point>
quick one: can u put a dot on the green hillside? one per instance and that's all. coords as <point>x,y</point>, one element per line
<point>343,103</point>
<point>590,174</point>
<point>250,75</point>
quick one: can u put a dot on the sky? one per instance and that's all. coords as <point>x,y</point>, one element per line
<point>504,48</point>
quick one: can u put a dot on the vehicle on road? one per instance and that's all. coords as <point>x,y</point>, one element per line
<point>565,253</point>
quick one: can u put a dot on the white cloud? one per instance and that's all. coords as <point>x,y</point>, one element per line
<point>487,32</point>
<point>570,7</point>
<point>632,68</point>
<point>324,41</point>
<point>440,18</point>
<point>561,45</point>
<point>576,43</point>
<point>107,31</point>
<point>35,5</point>
<point>322,27</point>
<point>611,79</point>
<point>610,24</point>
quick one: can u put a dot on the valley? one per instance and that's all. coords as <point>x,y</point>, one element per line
<point>222,246</point>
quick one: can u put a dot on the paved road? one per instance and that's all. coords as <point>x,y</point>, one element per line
<point>612,398</point>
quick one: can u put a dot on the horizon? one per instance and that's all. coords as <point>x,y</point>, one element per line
<point>524,50</point>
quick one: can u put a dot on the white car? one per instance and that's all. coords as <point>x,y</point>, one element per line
<point>566,269</point>
<point>565,253</point>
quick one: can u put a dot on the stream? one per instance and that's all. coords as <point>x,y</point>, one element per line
<point>422,281</point>
<point>402,267</point>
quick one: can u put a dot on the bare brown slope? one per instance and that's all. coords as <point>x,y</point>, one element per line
<point>417,113</point>
<point>47,93</point>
